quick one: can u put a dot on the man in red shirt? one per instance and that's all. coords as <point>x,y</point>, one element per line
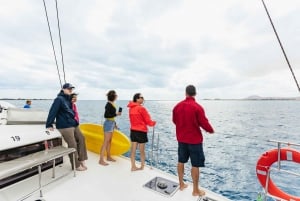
<point>189,116</point>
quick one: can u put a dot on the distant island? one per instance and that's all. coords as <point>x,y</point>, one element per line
<point>256,97</point>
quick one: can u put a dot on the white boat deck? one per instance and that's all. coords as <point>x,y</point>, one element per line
<point>110,183</point>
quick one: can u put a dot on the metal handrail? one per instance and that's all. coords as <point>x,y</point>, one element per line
<point>152,147</point>
<point>285,171</point>
<point>284,142</point>
<point>279,147</point>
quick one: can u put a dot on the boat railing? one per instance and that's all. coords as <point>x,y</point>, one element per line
<point>278,169</point>
<point>154,148</point>
<point>157,151</point>
<point>279,143</point>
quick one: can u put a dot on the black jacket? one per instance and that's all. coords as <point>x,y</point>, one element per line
<point>61,110</point>
<point>110,111</point>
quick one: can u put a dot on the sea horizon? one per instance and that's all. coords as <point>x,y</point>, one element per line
<point>254,98</point>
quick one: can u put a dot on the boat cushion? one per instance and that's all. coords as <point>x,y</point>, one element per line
<point>26,116</point>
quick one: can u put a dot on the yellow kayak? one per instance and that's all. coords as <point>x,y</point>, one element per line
<point>94,136</point>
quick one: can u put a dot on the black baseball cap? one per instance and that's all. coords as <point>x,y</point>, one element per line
<point>68,86</point>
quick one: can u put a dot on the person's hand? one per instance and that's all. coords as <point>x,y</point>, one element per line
<point>119,113</point>
<point>50,129</point>
<point>154,123</point>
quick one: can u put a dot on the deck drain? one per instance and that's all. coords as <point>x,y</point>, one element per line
<point>162,186</point>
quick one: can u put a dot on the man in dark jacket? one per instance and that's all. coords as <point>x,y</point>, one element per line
<point>62,111</point>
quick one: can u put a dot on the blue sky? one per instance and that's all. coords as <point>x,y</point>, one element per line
<point>227,49</point>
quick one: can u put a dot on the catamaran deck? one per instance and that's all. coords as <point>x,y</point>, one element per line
<point>110,183</point>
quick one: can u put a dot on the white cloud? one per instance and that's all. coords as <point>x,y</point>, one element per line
<point>227,49</point>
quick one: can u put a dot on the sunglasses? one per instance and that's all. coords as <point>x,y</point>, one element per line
<point>141,97</point>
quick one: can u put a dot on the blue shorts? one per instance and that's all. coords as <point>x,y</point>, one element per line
<point>109,126</point>
<point>192,151</point>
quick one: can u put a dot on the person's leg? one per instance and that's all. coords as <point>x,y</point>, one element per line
<point>142,155</point>
<point>81,146</point>
<point>103,148</point>
<point>183,157</point>
<point>68,135</point>
<point>132,156</point>
<point>195,177</point>
<point>180,171</point>
<point>109,158</point>
<point>197,160</point>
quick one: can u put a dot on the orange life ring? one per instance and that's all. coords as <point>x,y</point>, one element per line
<point>264,163</point>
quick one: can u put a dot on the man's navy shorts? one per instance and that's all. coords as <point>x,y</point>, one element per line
<point>192,151</point>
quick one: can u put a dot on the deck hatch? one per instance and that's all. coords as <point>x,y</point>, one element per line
<point>162,186</point>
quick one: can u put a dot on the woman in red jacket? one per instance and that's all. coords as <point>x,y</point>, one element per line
<point>139,120</point>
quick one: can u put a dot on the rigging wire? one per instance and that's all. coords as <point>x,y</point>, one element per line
<point>52,43</point>
<point>281,46</point>
<point>61,51</point>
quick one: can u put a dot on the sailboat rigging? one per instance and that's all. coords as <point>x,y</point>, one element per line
<point>281,46</point>
<point>61,49</point>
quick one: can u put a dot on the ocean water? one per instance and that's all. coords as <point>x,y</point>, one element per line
<point>243,129</point>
